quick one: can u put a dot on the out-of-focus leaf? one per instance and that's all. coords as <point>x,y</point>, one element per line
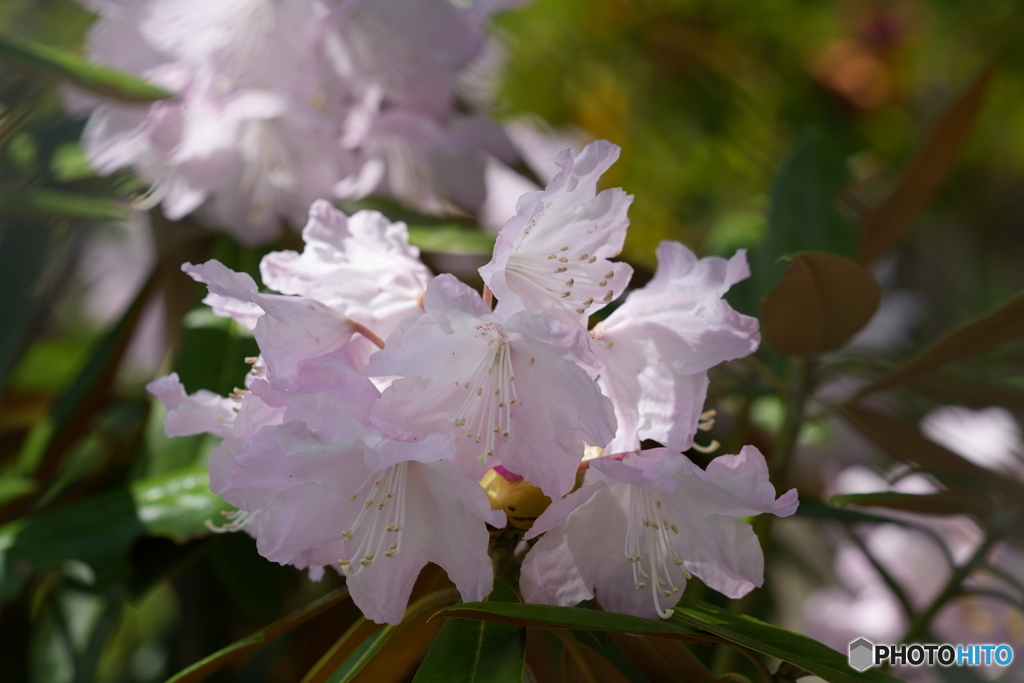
<point>12,487</point>
<point>822,300</point>
<point>802,216</point>
<point>221,658</point>
<point>903,441</point>
<point>819,510</point>
<point>51,62</point>
<point>1002,325</point>
<point>662,661</point>
<point>476,652</point>
<point>943,503</point>
<point>604,645</point>
<point>176,505</point>
<point>99,530</point>
<point>887,223</point>
<point>773,641</point>
<point>546,616</point>
<point>213,353</point>
<point>451,239</point>
<point>43,203</point>
<point>582,665</point>
<point>969,392</point>
<point>87,393</point>
<point>327,670</point>
<point>23,248</point>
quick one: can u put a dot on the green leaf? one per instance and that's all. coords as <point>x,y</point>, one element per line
<point>467,651</point>
<point>221,658</point>
<point>546,616</point>
<point>689,614</point>
<point>99,530</point>
<point>51,62</point>
<point>802,215</point>
<point>808,654</point>
<point>451,239</point>
<point>23,248</point>
<point>43,203</point>
<point>366,650</point>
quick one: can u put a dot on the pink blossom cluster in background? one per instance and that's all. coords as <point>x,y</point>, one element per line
<point>383,394</point>
<point>279,103</point>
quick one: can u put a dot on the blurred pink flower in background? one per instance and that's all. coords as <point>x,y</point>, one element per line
<point>278,104</point>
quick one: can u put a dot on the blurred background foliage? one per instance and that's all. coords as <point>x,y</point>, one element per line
<point>727,112</point>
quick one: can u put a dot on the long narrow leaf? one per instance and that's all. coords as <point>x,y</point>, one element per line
<point>467,651</point>
<point>43,203</point>
<point>221,658</point>
<point>889,222</point>
<point>51,62</point>
<point>986,332</point>
<point>23,248</point>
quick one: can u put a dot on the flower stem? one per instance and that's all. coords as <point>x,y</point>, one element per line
<point>919,626</point>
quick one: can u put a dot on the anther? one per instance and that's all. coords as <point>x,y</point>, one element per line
<point>552,256</point>
<point>344,563</point>
<point>563,249</point>
<point>390,553</point>
<point>479,391</point>
<point>560,270</point>
<point>608,296</point>
<point>610,274</point>
<point>565,294</point>
<point>587,302</point>
<point>251,359</point>
<point>505,433</point>
<point>583,257</point>
<point>602,283</point>
<point>570,282</point>
<point>644,575</point>
<point>640,584</point>
<point>591,259</point>
<point>353,496</point>
<point>365,562</point>
<point>657,503</point>
<point>562,259</point>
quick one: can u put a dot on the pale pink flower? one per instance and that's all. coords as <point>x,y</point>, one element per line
<point>376,508</point>
<point>655,349</point>
<point>505,385</point>
<point>279,103</point>
<point>361,266</point>
<point>639,527</point>
<point>553,255</point>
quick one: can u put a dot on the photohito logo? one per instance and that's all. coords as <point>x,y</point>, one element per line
<point>864,654</point>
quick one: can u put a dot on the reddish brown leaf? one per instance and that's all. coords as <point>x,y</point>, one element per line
<point>885,225</point>
<point>663,661</point>
<point>976,336</point>
<point>822,300</point>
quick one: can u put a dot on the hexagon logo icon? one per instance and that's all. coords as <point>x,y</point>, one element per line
<point>862,654</point>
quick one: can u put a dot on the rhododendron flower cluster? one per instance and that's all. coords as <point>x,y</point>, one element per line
<point>280,102</point>
<point>384,394</point>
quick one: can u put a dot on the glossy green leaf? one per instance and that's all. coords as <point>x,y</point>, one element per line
<point>44,203</point>
<point>221,658</point>
<point>99,530</point>
<point>366,650</point>
<point>546,616</point>
<point>451,239</point>
<point>467,651</point>
<point>804,652</point>
<point>23,248</point>
<point>51,62</point>
<point>689,614</point>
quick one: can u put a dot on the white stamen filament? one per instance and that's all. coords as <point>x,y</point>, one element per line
<point>491,392</point>
<point>239,519</point>
<point>567,282</point>
<point>649,529</point>
<point>380,520</point>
